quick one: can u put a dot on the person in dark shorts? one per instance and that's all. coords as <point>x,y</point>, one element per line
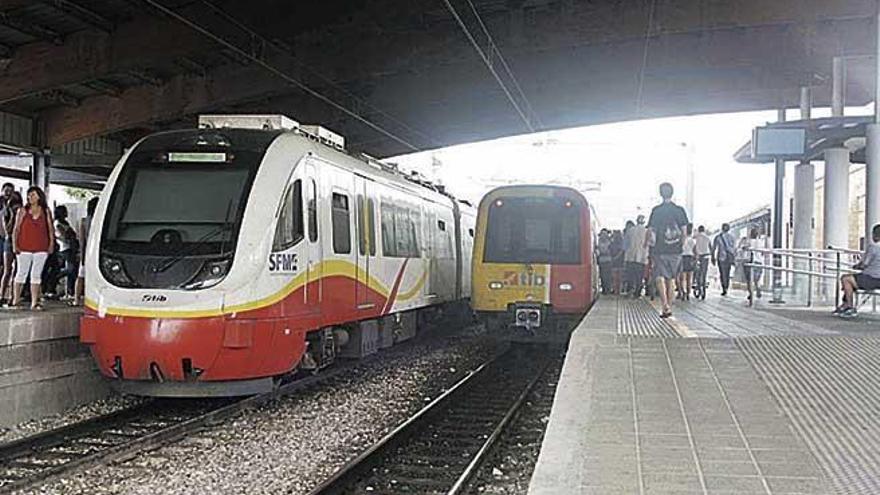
<point>668,221</point>
<point>867,279</point>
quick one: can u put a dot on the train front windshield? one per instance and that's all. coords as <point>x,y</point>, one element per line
<point>184,192</point>
<point>533,230</point>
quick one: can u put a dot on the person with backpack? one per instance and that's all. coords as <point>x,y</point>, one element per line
<point>724,254</point>
<point>668,221</point>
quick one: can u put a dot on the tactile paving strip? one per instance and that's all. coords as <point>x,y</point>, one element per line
<point>830,389</point>
<point>637,318</point>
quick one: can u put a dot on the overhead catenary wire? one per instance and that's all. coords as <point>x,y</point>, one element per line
<point>280,48</point>
<point>488,63</point>
<point>641,79</point>
<point>274,70</point>
<point>494,47</point>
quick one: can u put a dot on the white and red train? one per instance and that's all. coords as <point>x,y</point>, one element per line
<point>225,257</point>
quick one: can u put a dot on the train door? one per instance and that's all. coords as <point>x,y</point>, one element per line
<point>315,254</point>
<point>365,209</point>
<point>429,225</point>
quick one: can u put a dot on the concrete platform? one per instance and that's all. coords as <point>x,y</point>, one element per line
<point>43,367</point>
<point>720,399</point>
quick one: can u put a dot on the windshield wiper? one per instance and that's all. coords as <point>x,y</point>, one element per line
<point>201,241</point>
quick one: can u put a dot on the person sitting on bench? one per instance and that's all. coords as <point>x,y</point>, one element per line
<point>867,279</point>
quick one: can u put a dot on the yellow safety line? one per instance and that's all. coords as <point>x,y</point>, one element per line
<point>680,327</point>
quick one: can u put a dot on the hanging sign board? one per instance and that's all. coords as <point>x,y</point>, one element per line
<point>771,143</point>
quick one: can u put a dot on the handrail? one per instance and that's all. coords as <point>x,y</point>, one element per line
<point>819,264</point>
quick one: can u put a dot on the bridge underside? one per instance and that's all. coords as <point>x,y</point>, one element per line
<point>395,76</point>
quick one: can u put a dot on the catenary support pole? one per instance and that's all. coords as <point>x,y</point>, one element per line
<point>778,203</point>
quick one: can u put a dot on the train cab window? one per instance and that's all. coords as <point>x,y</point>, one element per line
<point>289,229</point>
<point>533,230</point>
<point>341,224</point>
<point>313,211</point>
<point>366,226</point>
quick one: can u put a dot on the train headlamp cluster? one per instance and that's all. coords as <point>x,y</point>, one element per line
<point>114,271</point>
<point>565,287</point>
<point>495,285</point>
<point>211,274</point>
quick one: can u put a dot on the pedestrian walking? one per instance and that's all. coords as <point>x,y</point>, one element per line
<point>636,256</point>
<point>724,255</point>
<point>688,256</point>
<point>703,250</point>
<point>668,221</point>
<point>603,247</point>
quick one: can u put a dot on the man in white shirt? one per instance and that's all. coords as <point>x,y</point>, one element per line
<point>867,279</point>
<point>636,255</point>
<point>703,252</point>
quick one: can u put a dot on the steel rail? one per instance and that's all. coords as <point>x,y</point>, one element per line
<point>128,449</point>
<point>353,471</point>
<point>474,466</point>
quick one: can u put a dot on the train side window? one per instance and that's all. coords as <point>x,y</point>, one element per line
<point>313,211</point>
<point>415,225</point>
<point>441,225</point>
<point>289,229</point>
<point>371,226</point>
<point>389,244</point>
<point>471,232</point>
<point>366,226</point>
<point>341,224</point>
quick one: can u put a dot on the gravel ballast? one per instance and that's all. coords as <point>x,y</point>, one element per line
<point>292,444</point>
<point>509,467</point>
<point>73,415</point>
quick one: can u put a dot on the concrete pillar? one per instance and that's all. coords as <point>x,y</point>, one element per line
<point>872,179</point>
<point>40,171</point>
<point>835,225</point>
<point>804,191</point>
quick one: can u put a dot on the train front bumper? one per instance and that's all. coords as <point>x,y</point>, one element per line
<point>180,355</point>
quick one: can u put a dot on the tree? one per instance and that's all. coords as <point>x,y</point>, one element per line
<point>80,193</point>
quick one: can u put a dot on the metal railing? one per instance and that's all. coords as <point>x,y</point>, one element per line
<point>807,273</point>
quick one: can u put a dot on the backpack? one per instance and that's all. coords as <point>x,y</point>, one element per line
<point>670,232</point>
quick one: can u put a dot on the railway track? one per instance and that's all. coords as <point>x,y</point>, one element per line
<point>123,434</point>
<point>440,448</point>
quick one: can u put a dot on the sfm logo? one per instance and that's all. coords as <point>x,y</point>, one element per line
<point>153,298</point>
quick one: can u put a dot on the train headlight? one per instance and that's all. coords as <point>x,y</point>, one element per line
<point>211,274</point>
<point>114,271</point>
<point>565,287</point>
<point>495,285</point>
<point>521,316</point>
<point>533,316</point>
